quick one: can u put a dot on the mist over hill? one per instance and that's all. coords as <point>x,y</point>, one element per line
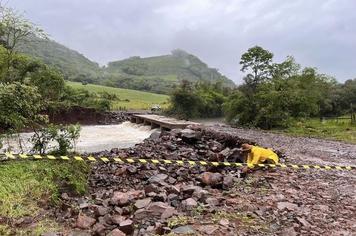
<point>160,74</point>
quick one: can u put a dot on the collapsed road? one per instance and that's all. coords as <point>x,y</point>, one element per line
<point>150,200</point>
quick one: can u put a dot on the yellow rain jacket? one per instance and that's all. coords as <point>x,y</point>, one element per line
<point>259,155</point>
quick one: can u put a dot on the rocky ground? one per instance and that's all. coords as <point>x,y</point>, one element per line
<point>156,200</point>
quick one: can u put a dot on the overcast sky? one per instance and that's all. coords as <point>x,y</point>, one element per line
<point>318,33</point>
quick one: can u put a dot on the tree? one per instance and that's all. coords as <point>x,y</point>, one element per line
<point>20,107</point>
<point>285,69</point>
<point>14,30</point>
<point>184,101</point>
<point>257,61</point>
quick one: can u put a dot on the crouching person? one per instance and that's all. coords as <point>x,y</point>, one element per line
<point>257,155</point>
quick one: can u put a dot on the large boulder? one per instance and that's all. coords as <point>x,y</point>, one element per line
<point>190,136</point>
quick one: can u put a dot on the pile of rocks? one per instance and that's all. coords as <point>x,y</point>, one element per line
<point>130,200</point>
<point>199,200</point>
<point>143,199</point>
<point>194,143</point>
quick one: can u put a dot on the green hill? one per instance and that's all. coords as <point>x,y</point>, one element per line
<point>162,73</point>
<point>158,74</point>
<point>127,98</point>
<point>73,65</point>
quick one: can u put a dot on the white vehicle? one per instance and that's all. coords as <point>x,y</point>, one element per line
<point>155,108</point>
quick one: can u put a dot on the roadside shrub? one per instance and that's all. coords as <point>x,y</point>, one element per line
<point>20,106</point>
<point>197,100</point>
<point>65,138</point>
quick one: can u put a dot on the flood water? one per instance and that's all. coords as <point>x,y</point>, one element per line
<point>97,137</point>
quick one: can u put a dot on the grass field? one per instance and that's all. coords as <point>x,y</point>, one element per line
<point>340,130</point>
<point>26,186</point>
<point>136,100</point>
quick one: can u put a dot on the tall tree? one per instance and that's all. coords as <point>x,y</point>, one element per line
<point>14,30</point>
<point>258,63</point>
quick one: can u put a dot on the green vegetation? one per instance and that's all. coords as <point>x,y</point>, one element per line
<point>341,130</point>
<point>25,186</point>
<point>198,100</point>
<point>276,95</point>
<point>73,65</point>
<point>177,221</point>
<point>125,98</point>
<point>27,88</point>
<point>64,136</point>
<point>160,74</point>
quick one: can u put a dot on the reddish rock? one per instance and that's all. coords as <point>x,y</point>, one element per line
<point>287,205</point>
<point>121,171</point>
<point>151,188</point>
<point>127,226</point>
<point>189,204</point>
<point>200,194</point>
<point>209,229</point>
<point>85,222</point>
<point>159,178</point>
<point>157,208</point>
<point>141,214</point>
<point>190,189</point>
<point>142,203</point>
<point>99,229</point>
<point>211,179</point>
<point>305,223</point>
<point>134,194</point>
<point>211,201</point>
<point>100,210</point>
<point>117,219</point>
<point>120,198</point>
<point>173,189</point>
<point>289,232</point>
<point>224,222</point>
<point>116,232</point>
<point>228,181</point>
<point>169,212</point>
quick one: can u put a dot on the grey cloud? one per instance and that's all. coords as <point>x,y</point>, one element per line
<point>317,33</point>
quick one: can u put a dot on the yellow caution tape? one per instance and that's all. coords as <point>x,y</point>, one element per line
<point>11,156</point>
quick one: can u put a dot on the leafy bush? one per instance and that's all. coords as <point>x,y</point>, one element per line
<point>197,100</point>
<point>83,98</point>
<point>64,136</point>
<point>20,107</point>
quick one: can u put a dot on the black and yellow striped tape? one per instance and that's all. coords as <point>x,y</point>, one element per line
<point>11,156</point>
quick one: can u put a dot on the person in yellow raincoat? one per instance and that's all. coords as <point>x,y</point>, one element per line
<point>257,155</point>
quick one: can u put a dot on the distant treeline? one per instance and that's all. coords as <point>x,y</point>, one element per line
<point>272,95</point>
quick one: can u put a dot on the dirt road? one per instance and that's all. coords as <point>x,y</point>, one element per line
<point>323,202</point>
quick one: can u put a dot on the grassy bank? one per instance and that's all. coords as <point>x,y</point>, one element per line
<point>129,99</point>
<point>27,187</point>
<point>340,130</point>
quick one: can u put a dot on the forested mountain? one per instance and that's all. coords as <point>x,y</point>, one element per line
<point>158,74</point>
<point>72,64</point>
<point>162,73</point>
